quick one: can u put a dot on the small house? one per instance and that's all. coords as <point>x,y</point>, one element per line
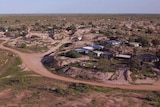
<point>134,44</point>
<point>114,42</point>
<point>81,50</point>
<point>98,53</point>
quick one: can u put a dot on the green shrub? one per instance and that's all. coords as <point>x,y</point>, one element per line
<point>23,46</point>
<point>156,42</point>
<point>60,91</point>
<point>108,33</point>
<point>149,31</point>
<point>83,88</point>
<point>143,40</point>
<point>93,31</point>
<point>131,39</point>
<point>72,27</point>
<point>65,45</point>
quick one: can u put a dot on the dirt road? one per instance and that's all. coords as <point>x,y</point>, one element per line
<point>33,62</point>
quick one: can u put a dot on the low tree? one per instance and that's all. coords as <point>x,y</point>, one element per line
<point>143,40</point>
<point>37,24</point>
<point>17,21</point>
<point>11,29</point>
<point>149,31</point>
<point>22,45</point>
<point>93,31</point>
<point>108,33</point>
<point>7,34</point>
<point>72,27</point>
<point>131,39</point>
<point>158,54</point>
<point>156,42</point>
<point>72,54</point>
<point>135,63</point>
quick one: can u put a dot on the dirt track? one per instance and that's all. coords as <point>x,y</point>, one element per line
<point>33,62</point>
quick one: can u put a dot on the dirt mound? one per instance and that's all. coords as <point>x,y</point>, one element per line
<point>83,73</point>
<point>49,61</point>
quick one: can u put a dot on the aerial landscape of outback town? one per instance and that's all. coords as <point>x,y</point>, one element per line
<point>80,60</point>
<point>80,53</point>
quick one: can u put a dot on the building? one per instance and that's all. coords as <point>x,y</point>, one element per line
<point>122,56</point>
<point>13,35</point>
<point>79,38</point>
<point>134,44</point>
<point>108,54</point>
<point>114,42</point>
<point>98,47</point>
<point>148,58</point>
<point>81,50</point>
<point>98,53</point>
<point>89,48</point>
<point>5,29</point>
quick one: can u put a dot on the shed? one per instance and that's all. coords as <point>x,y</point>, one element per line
<point>98,53</point>
<point>79,38</point>
<point>123,56</point>
<point>134,44</point>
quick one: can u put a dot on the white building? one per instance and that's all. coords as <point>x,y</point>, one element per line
<point>134,44</point>
<point>98,53</point>
<point>89,48</point>
<point>79,38</point>
<point>123,56</point>
<point>114,42</point>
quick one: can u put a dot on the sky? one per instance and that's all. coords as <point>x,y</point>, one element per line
<point>80,6</point>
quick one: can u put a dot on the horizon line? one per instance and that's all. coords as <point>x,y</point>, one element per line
<point>79,14</point>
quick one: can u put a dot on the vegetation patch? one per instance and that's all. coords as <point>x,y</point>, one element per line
<point>72,54</point>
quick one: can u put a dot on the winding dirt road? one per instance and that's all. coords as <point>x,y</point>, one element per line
<point>33,62</point>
